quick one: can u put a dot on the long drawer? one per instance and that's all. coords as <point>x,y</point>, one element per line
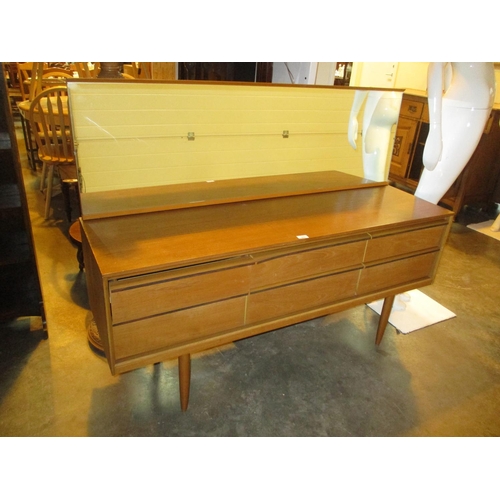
<point>177,328</point>
<point>158,293</point>
<point>310,294</point>
<point>277,268</point>
<point>397,273</point>
<point>385,246</point>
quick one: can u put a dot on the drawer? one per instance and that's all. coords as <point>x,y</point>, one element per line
<point>273,270</point>
<point>397,273</point>
<point>310,294</point>
<point>411,109</point>
<point>145,296</point>
<point>400,244</point>
<point>168,330</point>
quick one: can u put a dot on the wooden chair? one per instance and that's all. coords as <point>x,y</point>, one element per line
<point>50,123</point>
<point>12,77</point>
<point>25,70</point>
<point>85,70</point>
<point>31,72</point>
<point>55,74</point>
<point>39,77</point>
<point>62,72</point>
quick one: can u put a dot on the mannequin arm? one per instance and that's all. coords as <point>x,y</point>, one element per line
<point>352,130</point>
<point>434,143</point>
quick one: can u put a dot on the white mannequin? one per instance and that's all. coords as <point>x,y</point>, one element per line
<point>380,115</point>
<point>457,120</point>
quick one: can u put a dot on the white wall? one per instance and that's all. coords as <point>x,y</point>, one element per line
<point>412,75</point>
<point>401,75</point>
<point>325,74</point>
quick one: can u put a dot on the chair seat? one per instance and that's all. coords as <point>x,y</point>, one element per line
<point>24,107</point>
<point>54,159</point>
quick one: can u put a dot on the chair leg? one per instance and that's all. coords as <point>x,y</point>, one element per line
<point>28,142</point>
<point>48,192</point>
<point>43,177</point>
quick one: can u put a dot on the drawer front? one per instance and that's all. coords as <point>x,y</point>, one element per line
<point>307,264</point>
<point>177,328</point>
<point>150,296</point>
<point>299,297</point>
<point>411,109</point>
<point>397,273</point>
<point>400,244</point>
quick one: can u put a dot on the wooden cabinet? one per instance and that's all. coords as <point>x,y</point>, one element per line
<point>403,147</point>
<point>171,283</point>
<point>476,184</point>
<point>411,132</point>
<point>20,291</point>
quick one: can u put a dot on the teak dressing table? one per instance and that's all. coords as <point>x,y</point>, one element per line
<point>174,282</point>
<point>184,267</point>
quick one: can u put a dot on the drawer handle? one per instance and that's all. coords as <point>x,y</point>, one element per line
<point>412,109</point>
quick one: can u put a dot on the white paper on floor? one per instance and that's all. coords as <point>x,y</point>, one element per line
<point>485,228</point>
<point>421,311</point>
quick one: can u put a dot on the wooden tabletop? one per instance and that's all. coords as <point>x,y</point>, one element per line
<point>186,236</point>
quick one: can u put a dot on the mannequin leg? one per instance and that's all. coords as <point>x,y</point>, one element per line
<point>462,130</point>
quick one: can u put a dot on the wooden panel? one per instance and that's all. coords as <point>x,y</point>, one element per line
<point>299,297</point>
<point>188,195</point>
<point>163,292</point>
<point>281,269</point>
<point>425,113</point>
<point>98,296</point>
<point>163,70</point>
<point>411,109</point>
<point>399,272</point>
<point>173,329</point>
<point>399,244</point>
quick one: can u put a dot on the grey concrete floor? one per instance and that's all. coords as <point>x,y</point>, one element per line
<point>320,378</point>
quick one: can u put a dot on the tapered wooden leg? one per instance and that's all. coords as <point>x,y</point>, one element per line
<point>384,318</point>
<point>184,363</point>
